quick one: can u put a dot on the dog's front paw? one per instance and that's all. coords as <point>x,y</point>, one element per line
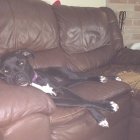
<point>104,123</point>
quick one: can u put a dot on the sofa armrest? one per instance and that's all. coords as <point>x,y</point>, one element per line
<point>127,56</point>
<point>19,102</point>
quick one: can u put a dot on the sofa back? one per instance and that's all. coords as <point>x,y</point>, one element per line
<point>75,37</point>
<point>26,24</point>
<point>83,29</point>
<point>91,36</point>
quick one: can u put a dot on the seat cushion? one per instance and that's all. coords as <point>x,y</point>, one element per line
<point>76,123</point>
<point>93,91</point>
<point>100,91</point>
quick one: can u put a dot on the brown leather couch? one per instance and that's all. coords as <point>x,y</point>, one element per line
<point>82,39</point>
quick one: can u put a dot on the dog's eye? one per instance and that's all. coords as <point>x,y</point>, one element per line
<point>20,63</point>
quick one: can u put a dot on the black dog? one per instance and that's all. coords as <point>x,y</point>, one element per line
<point>16,69</point>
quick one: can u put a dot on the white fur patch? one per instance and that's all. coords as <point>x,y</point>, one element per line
<point>118,79</point>
<point>114,106</point>
<point>103,79</point>
<point>47,89</point>
<point>104,123</point>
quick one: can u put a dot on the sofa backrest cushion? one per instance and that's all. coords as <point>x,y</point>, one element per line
<point>90,60</point>
<point>82,29</point>
<point>26,24</point>
<point>90,36</point>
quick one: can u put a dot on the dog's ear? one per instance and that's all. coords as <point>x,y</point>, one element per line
<point>26,53</point>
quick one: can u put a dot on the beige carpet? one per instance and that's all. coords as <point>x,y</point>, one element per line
<point>131,77</point>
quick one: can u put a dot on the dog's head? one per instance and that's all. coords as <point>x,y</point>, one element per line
<point>16,69</point>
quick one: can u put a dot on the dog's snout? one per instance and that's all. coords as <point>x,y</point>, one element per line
<point>21,79</point>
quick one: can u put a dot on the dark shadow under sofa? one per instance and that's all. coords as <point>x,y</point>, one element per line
<point>81,39</point>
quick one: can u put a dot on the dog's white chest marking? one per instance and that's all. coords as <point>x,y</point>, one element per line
<point>47,89</point>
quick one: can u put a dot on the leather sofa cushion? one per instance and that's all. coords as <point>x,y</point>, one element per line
<point>77,123</point>
<point>26,24</point>
<point>49,58</point>
<point>127,56</point>
<point>76,62</point>
<point>136,105</point>
<point>19,102</point>
<point>82,29</point>
<point>95,91</point>
<point>92,91</point>
<point>89,61</point>
<point>135,118</point>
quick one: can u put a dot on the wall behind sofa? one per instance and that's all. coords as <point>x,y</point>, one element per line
<point>131,32</point>
<point>84,3</point>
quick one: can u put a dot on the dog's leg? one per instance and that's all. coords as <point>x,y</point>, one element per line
<point>67,102</point>
<point>101,120</point>
<point>79,76</point>
<point>103,105</point>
